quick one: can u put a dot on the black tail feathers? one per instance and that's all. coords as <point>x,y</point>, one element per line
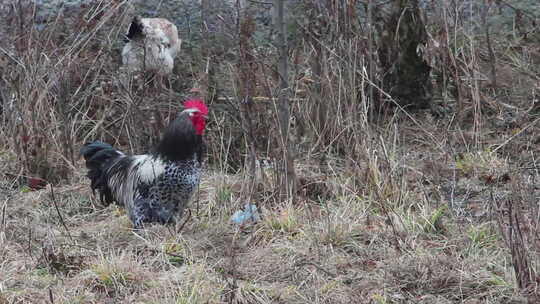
<point>135,30</point>
<point>99,157</point>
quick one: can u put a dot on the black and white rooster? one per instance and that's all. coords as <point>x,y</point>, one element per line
<point>152,187</point>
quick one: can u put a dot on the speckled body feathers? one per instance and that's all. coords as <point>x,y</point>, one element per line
<point>163,198</point>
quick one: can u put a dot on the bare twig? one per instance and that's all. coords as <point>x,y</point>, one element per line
<point>185,222</point>
<point>492,59</point>
<point>59,213</point>
<point>3,222</point>
<point>304,263</point>
<point>51,299</point>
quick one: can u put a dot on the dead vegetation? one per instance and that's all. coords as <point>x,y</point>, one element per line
<point>392,206</point>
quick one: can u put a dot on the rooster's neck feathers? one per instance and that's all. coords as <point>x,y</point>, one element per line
<point>179,141</point>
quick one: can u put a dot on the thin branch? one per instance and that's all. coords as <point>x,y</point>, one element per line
<point>185,222</point>
<point>59,213</point>
<point>51,299</point>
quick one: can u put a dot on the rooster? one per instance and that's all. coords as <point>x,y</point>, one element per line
<point>153,44</point>
<point>152,187</point>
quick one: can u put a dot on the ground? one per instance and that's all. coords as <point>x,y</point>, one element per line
<point>417,227</point>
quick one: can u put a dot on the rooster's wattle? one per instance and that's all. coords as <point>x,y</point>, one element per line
<point>152,187</point>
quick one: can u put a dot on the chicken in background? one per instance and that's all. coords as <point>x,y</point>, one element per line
<point>152,45</point>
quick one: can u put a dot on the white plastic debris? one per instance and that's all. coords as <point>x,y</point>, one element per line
<point>249,214</point>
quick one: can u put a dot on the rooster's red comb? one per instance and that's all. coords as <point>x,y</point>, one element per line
<point>196,104</point>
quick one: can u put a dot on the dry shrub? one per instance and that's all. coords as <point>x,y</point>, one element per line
<point>62,86</point>
<point>419,276</point>
<point>518,221</point>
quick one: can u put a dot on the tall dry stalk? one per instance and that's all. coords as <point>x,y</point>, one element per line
<point>246,73</point>
<point>209,67</point>
<point>287,175</point>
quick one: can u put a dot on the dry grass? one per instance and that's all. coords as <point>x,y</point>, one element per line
<point>422,207</point>
<point>348,249</point>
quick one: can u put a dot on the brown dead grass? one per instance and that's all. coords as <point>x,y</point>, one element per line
<point>342,250</point>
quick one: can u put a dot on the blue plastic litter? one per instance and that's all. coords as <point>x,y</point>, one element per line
<point>249,214</point>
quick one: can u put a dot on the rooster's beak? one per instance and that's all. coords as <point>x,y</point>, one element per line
<point>190,111</point>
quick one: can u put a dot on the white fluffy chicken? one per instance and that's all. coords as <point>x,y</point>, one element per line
<point>153,44</point>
